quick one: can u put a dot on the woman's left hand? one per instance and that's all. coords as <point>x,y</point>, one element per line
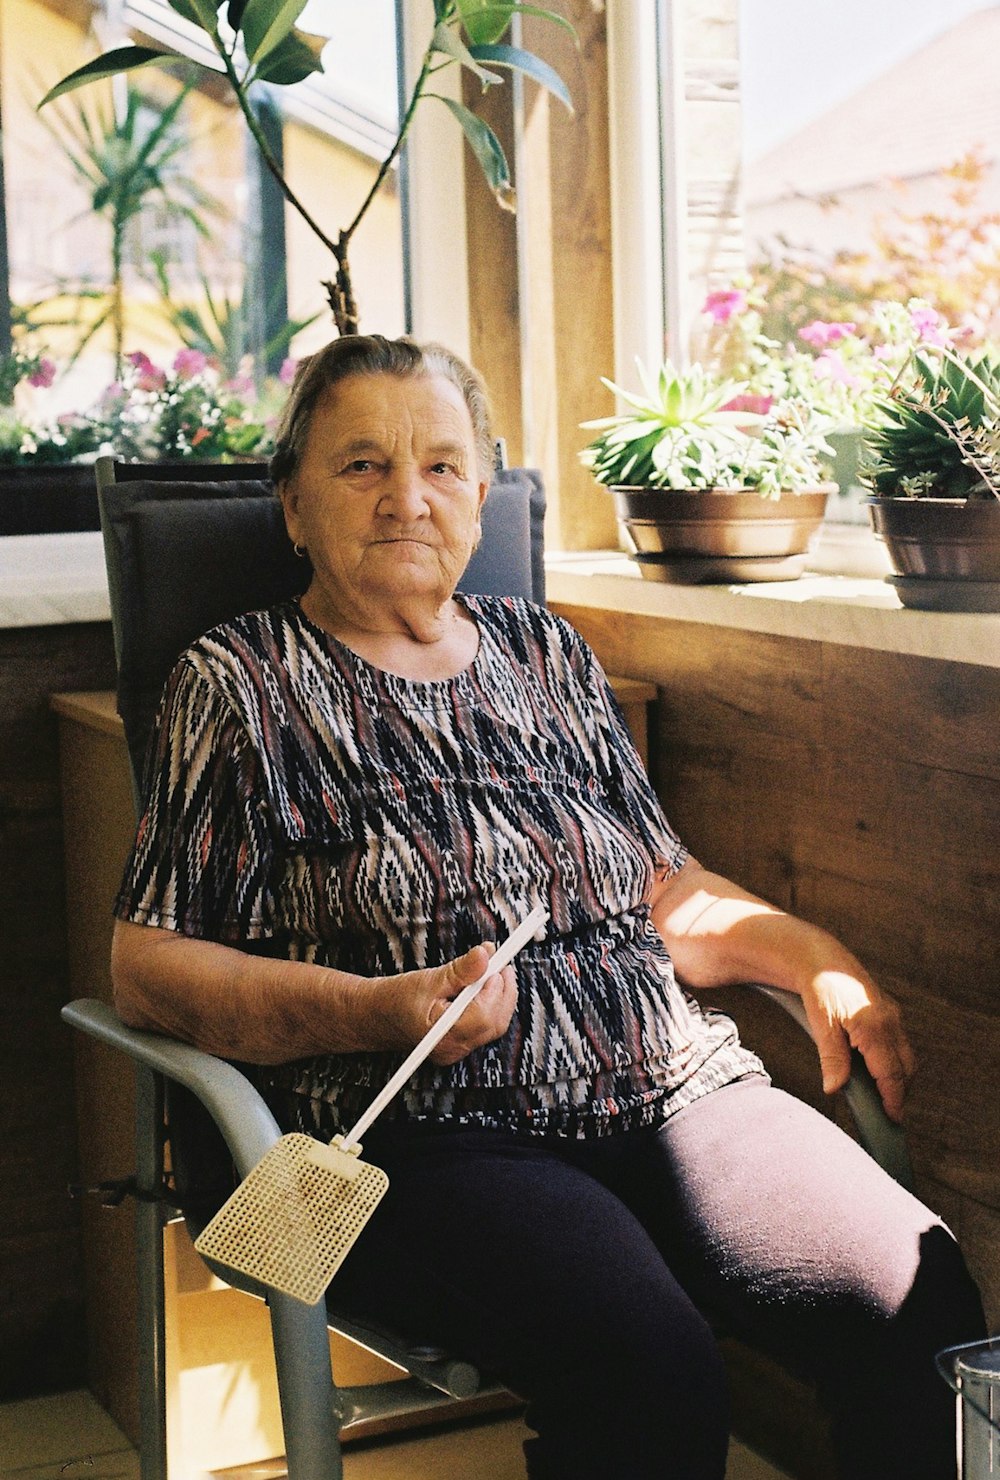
<point>846,1010</point>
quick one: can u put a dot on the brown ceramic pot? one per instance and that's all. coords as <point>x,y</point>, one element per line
<point>690,536</point>
<point>945,551</point>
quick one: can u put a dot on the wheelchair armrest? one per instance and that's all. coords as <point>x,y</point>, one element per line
<point>882,1138</point>
<point>238,1110</point>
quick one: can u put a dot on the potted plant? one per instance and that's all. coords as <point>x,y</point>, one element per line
<point>711,484</point>
<point>933,467</point>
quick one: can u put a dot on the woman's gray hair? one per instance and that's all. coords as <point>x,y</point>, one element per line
<point>371,354</point>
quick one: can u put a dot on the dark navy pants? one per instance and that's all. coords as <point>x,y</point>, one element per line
<point>581,1273</point>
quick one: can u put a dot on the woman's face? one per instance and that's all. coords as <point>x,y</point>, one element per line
<point>386,499</point>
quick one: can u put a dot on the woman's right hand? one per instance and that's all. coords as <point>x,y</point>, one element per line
<point>413,1001</point>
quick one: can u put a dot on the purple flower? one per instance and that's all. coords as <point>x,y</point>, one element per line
<point>821,332</point>
<point>44,375</point>
<point>189,362</point>
<point>721,304</point>
<point>287,372</point>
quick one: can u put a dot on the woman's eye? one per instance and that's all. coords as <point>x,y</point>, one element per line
<point>360,465</point>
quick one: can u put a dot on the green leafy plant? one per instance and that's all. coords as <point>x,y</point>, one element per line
<point>218,326</point>
<point>692,429</point>
<point>258,41</point>
<point>939,430</point>
<point>125,166</point>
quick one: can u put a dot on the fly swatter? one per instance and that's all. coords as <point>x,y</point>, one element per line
<point>296,1215</point>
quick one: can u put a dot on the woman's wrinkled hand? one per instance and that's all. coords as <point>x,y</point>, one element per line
<point>414,1000</point>
<point>846,1011</point>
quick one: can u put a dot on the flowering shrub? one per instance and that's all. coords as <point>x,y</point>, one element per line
<point>149,414</point>
<point>838,369</point>
<point>947,255</point>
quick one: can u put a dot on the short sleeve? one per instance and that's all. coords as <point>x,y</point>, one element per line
<point>203,850</point>
<point>625,775</point>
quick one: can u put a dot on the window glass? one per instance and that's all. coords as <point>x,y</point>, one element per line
<point>871,183</point>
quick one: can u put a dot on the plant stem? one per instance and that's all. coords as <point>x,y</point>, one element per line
<point>340,293</point>
<point>404,129</point>
<point>117,294</point>
<point>266,155</point>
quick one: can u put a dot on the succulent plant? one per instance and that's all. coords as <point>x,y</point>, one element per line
<point>938,434</point>
<point>693,429</point>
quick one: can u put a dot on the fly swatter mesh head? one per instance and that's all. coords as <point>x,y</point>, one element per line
<point>293,1219</point>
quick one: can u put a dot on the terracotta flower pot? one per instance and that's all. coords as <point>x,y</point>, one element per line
<point>692,535</point>
<point>945,552</point>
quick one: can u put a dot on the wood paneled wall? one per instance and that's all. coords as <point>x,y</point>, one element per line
<point>862,790</point>
<point>42,1343</point>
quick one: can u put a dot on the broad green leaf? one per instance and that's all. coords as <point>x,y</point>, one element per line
<point>484,20</point>
<point>266,24</point>
<point>451,44</point>
<point>487,20</point>
<point>203,13</point>
<point>529,64</point>
<point>122,59</point>
<point>485,146</point>
<point>298,56</point>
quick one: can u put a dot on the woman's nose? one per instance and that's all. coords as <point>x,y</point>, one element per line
<point>403,494</point>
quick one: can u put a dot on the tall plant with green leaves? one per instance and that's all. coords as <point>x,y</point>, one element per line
<point>126,165</point>
<point>219,325</point>
<point>258,41</point>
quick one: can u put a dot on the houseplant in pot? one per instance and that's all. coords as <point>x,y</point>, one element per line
<point>711,484</point>
<point>933,467</point>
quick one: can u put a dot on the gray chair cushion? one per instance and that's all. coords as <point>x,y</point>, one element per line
<point>185,555</point>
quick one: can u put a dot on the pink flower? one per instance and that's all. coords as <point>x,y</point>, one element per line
<point>240,385</point>
<point>44,375</point>
<point>831,366</point>
<point>189,362</point>
<point>757,405</point>
<point>927,324</point>
<point>287,372</point>
<point>148,377</point>
<point>820,332</point>
<point>721,304</point>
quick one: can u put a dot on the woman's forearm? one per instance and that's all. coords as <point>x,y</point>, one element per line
<point>266,1011</point>
<point>240,1006</point>
<point>719,934</point>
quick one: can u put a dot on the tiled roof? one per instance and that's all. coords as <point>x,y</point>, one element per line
<point>918,117</point>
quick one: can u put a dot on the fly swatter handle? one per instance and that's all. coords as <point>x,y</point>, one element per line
<point>502,957</point>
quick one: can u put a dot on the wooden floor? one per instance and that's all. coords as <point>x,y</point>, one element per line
<point>69,1437</point>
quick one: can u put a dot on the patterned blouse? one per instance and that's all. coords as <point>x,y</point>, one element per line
<point>304,804</point>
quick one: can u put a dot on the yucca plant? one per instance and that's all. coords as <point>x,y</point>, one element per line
<point>938,435</point>
<point>692,429</point>
<point>126,166</point>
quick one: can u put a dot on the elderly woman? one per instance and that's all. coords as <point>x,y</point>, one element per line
<point>351,797</point>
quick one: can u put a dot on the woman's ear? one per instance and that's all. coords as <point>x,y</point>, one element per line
<point>290,508</point>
